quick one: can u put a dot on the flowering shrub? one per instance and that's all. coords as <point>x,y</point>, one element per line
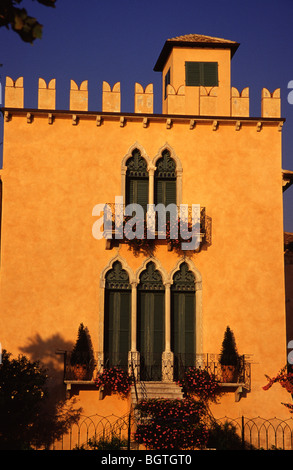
<point>114,380</point>
<point>172,424</point>
<point>201,383</point>
<point>285,379</point>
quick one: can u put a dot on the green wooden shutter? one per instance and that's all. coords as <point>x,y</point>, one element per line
<point>142,195</point>
<point>137,180</point>
<point>165,192</point>
<point>192,73</point>
<point>170,192</point>
<point>159,198</point>
<point>125,321</point>
<point>150,337</point>
<point>183,325</point>
<point>189,323</point>
<point>117,327</point>
<point>201,73</point>
<point>151,323</point>
<point>210,73</point>
<point>138,192</point>
<point>167,82</point>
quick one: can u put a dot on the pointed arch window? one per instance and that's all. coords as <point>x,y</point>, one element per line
<point>183,321</point>
<point>151,322</point>
<point>117,317</point>
<point>137,182</point>
<point>165,180</point>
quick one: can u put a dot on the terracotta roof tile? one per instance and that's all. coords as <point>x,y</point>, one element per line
<point>201,38</point>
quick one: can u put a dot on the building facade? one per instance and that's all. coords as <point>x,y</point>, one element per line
<point>147,303</point>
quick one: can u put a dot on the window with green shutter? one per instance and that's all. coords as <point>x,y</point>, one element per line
<point>201,74</point>
<point>137,183</point>
<point>165,180</point>
<point>167,82</point>
<point>150,323</point>
<point>183,319</point>
<point>117,317</point>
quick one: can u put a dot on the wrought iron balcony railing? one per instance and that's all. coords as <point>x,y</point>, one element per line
<point>241,375</point>
<point>155,367</point>
<point>173,225</point>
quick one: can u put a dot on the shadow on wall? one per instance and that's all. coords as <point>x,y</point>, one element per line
<point>44,350</point>
<point>55,415</point>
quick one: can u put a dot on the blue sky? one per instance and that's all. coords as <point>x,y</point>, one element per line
<point>115,40</point>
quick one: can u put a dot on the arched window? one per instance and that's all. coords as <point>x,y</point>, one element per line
<point>165,180</point>
<point>183,319</point>
<point>150,323</point>
<point>137,183</point>
<point>117,317</point>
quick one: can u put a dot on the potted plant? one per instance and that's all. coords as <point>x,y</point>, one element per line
<point>229,357</point>
<point>82,356</point>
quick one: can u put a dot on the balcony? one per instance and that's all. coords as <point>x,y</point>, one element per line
<point>179,225</point>
<point>160,367</point>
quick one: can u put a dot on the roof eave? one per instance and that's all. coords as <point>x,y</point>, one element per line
<point>287,179</point>
<point>168,46</point>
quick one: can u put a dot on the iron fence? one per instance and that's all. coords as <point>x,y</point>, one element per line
<point>263,433</point>
<point>254,433</point>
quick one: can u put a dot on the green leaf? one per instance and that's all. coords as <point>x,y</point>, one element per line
<point>37,31</point>
<point>18,23</point>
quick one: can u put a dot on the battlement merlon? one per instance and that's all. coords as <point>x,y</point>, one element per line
<point>193,101</point>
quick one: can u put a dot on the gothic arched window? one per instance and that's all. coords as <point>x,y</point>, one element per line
<point>151,322</point>
<point>183,318</point>
<point>117,326</point>
<point>165,180</point>
<point>137,182</point>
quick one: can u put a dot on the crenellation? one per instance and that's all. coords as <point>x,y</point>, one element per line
<point>143,99</point>
<point>175,100</point>
<point>271,103</point>
<point>185,100</point>
<point>14,93</point>
<point>240,102</point>
<point>47,94</point>
<point>78,96</point>
<point>208,101</point>
<point>111,101</point>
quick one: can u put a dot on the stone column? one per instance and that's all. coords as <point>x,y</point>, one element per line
<point>167,357</point>
<point>167,316</point>
<point>151,170</point>
<point>133,356</point>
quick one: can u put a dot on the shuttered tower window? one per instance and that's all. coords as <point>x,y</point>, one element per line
<point>201,73</point>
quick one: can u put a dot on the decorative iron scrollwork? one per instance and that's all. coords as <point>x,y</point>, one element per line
<point>136,165</point>
<point>150,278</point>
<point>117,278</point>
<point>183,280</point>
<point>166,166</point>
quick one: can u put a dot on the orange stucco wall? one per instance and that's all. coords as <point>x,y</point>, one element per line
<point>54,174</point>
